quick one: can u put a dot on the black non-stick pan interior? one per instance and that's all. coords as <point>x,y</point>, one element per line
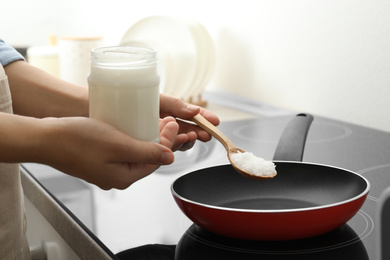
<point>297,185</point>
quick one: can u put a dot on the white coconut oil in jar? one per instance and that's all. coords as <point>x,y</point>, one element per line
<point>124,90</point>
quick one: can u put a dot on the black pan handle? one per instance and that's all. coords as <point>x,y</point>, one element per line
<point>293,139</point>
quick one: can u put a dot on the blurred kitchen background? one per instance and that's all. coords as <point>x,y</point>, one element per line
<point>330,58</point>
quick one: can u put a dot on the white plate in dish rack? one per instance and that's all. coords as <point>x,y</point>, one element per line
<point>176,49</point>
<point>206,59</point>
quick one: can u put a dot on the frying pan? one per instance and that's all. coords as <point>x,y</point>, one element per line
<point>303,200</point>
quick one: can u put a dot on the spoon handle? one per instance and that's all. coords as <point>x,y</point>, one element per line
<point>214,131</point>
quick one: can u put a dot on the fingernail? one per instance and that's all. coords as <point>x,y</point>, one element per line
<point>191,107</point>
<point>166,158</point>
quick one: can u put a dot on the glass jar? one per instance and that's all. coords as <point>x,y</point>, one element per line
<point>124,90</point>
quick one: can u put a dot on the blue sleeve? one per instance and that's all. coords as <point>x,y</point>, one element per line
<point>8,54</point>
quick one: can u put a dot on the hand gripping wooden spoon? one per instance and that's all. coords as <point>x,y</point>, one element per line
<point>243,162</point>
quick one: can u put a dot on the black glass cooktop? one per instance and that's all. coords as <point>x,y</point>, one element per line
<point>363,150</point>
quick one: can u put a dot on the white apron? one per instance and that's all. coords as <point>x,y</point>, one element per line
<point>13,241</point>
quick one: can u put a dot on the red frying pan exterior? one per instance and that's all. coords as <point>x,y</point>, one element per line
<point>271,225</point>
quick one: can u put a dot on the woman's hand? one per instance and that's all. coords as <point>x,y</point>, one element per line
<point>188,132</point>
<point>100,154</point>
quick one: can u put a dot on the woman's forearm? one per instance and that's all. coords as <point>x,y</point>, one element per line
<point>37,93</point>
<point>20,138</point>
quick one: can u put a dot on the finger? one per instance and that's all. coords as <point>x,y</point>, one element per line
<point>168,134</point>
<point>146,152</point>
<point>210,116</point>
<point>194,131</point>
<point>176,107</point>
<point>187,146</point>
<point>181,139</point>
<point>164,121</point>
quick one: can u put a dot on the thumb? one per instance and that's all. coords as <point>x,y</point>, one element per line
<point>148,153</point>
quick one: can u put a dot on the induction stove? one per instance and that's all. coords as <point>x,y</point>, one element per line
<point>363,150</point>
<point>330,142</point>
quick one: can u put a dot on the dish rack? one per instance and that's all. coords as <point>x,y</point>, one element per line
<point>186,53</point>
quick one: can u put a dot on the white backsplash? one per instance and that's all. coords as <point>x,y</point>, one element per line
<point>325,57</point>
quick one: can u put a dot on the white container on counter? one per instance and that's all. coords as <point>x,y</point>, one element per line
<point>44,57</point>
<point>124,90</point>
<point>74,57</point>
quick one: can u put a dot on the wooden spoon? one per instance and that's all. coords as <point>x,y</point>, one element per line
<point>232,149</point>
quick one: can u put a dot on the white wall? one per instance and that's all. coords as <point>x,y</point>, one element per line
<point>328,57</point>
